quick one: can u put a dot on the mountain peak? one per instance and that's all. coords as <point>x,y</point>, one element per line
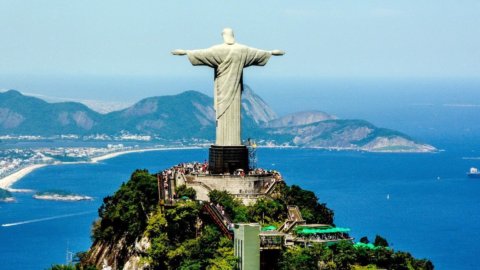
<point>12,92</point>
<point>255,107</point>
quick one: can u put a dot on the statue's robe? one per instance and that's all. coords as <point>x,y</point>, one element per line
<point>228,62</point>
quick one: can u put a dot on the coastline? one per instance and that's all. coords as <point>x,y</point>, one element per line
<point>7,181</point>
<point>120,153</point>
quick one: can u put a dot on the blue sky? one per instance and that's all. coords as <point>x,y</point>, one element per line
<point>47,47</point>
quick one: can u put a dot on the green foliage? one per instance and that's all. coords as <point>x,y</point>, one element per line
<point>125,213</point>
<point>224,258</point>
<point>179,242</point>
<point>184,191</point>
<point>380,241</point>
<point>267,211</point>
<point>312,211</point>
<point>233,207</point>
<point>298,258</point>
<point>182,218</point>
<point>306,258</point>
<point>273,211</point>
<point>422,264</point>
<point>174,244</point>
<point>71,267</point>
<point>343,255</point>
<point>364,240</point>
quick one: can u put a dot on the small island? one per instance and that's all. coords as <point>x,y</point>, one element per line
<point>6,196</point>
<point>60,195</point>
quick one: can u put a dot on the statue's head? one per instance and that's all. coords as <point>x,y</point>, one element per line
<point>228,37</point>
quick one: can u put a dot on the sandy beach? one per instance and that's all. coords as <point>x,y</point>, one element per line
<point>9,180</point>
<point>116,154</point>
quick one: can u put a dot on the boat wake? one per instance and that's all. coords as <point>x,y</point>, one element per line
<point>471,158</point>
<point>45,219</point>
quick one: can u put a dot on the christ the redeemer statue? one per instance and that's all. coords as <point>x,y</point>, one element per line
<point>228,60</point>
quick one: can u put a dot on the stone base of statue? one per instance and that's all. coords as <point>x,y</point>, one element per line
<point>227,159</point>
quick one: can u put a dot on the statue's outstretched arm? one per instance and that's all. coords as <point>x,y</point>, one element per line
<point>179,52</point>
<point>277,52</point>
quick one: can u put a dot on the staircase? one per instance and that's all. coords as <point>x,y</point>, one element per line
<point>222,221</point>
<point>294,218</point>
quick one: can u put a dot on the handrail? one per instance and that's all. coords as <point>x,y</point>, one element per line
<point>218,219</point>
<point>294,217</point>
<point>270,188</point>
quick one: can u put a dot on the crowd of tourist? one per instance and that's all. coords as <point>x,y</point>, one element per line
<point>325,237</point>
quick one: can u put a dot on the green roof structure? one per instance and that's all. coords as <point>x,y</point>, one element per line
<point>269,228</point>
<point>303,230</point>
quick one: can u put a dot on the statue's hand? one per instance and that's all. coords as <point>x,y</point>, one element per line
<point>277,52</point>
<point>179,52</point>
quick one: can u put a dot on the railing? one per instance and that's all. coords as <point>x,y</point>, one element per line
<point>199,175</point>
<point>294,218</point>
<point>221,220</point>
<point>294,213</point>
<point>270,188</point>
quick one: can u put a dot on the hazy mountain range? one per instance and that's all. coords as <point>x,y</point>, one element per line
<point>190,115</point>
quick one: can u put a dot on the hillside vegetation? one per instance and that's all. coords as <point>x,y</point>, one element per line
<point>134,232</point>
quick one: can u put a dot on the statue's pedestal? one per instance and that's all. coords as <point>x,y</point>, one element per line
<point>227,159</point>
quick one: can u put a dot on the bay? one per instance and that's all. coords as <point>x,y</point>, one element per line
<point>422,203</point>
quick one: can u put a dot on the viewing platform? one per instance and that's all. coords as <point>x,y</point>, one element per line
<point>247,186</point>
<point>319,233</point>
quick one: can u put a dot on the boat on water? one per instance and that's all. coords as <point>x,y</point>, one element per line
<point>473,173</point>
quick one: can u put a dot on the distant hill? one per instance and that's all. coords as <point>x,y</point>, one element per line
<point>190,115</point>
<point>348,134</point>
<point>186,115</point>
<point>299,118</point>
<point>25,115</point>
<point>256,108</point>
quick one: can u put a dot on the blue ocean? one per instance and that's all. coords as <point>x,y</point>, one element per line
<point>422,203</point>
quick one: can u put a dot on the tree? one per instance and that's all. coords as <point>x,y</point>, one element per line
<point>297,258</point>
<point>344,255</point>
<point>364,240</point>
<point>312,211</point>
<point>233,207</point>
<point>125,213</point>
<point>182,218</point>
<point>184,191</point>
<point>266,211</point>
<point>380,241</point>
<point>224,258</point>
